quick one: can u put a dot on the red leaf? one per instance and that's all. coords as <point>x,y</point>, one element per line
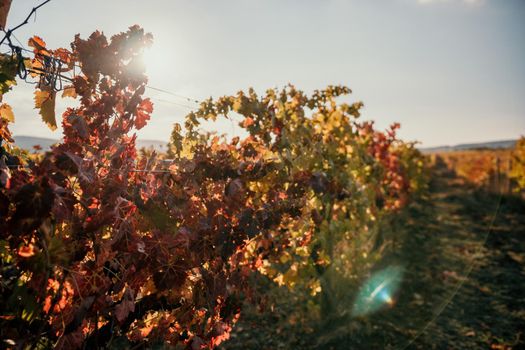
<point>26,251</point>
<point>5,174</point>
<point>125,307</point>
<point>143,113</point>
<point>37,43</point>
<point>80,125</point>
<point>248,122</point>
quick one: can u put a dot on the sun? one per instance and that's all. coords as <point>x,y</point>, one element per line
<point>159,62</point>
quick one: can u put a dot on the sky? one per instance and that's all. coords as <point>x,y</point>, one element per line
<point>450,71</point>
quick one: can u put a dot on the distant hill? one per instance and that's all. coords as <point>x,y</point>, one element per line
<point>27,142</point>
<point>468,146</point>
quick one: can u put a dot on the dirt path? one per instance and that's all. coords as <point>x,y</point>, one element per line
<point>485,234</point>
<point>465,280</point>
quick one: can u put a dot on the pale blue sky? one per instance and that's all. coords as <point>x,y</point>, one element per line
<point>451,71</point>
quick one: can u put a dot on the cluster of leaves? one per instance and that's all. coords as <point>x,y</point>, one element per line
<point>518,164</point>
<point>96,254</point>
<point>497,170</point>
<point>8,71</point>
<point>79,265</point>
<point>347,176</point>
<point>475,166</point>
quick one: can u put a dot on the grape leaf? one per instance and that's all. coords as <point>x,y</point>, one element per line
<point>7,73</point>
<point>124,308</point>
<point>143,113</point>
<point>7,113</point>
<point>45,101</point>
<point>37,43</point>
<point>69,91</point>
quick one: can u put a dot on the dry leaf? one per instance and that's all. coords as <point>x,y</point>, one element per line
<point>37,42</point>
<point>4,11</point>
<point>69,91</point>
<point>7,113</point>
<point>45,101</point>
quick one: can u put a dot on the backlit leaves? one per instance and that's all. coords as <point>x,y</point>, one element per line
<point>69,91</point>
<point>37,43</point>
<point>143,113</point>
<point>6,113</point>
<point>168,253</point>
<point>81,196</point>
<point>8,66</point>
<point>517,172</point>
<point>351,174</point>
<point>45,102</point>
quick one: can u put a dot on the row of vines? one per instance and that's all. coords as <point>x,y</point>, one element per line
<point>496,170</point>
<point>96,254</point>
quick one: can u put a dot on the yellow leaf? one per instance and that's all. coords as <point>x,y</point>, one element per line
<point>40,97</point>
<point>7,113</point>
<point>69,91</point>
<point>45,101</point>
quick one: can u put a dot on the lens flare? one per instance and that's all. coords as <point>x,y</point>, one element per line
<point>378,291</point>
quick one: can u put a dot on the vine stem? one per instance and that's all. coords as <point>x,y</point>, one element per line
<point>26,21</point>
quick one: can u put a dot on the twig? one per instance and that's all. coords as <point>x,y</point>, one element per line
<point>26,21</point>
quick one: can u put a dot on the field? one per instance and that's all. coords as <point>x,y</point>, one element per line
<point>312,230</point>
<point>486,168</point>
<point>464,251</point>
